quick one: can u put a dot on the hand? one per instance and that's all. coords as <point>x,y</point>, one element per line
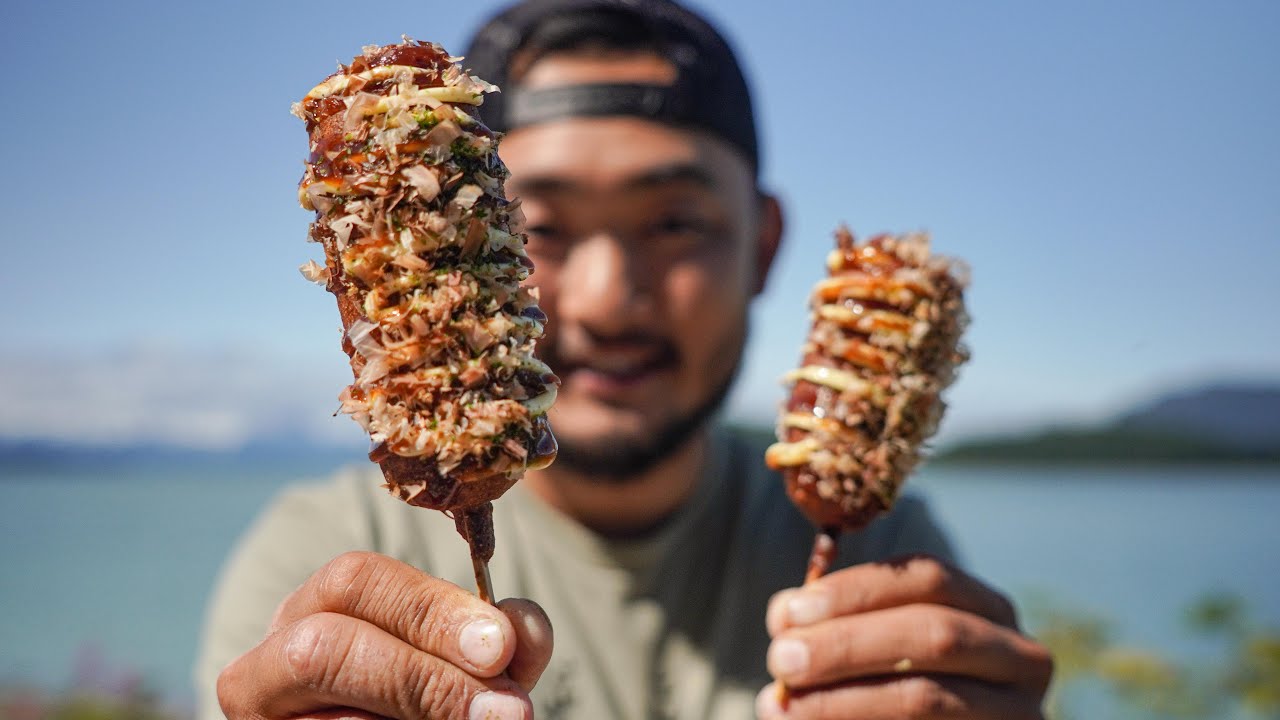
<point>367,636</point>
<point>908,639</point>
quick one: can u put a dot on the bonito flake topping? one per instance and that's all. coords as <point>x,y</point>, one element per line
<point>883,344</point>
<point>426,258</point>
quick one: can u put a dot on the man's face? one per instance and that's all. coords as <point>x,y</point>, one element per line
<point>648,246</point>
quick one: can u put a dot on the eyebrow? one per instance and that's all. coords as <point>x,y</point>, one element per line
<point>646,179</point>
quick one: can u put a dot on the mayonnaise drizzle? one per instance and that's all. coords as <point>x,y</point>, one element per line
<point>790,454</point>
<point>867,321</point>
<point>841,380</point>
<point>338,84</point>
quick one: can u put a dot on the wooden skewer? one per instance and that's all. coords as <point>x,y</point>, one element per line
<point>820,560</point>
<point>823,555</point>
<point>475,525</point>
<point>484,583</point>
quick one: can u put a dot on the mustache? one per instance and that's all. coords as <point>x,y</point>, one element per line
<point>559,352</point>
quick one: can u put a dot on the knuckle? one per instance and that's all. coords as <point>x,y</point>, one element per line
<point>920,697</point>
<point>345,578</point>
<point>427,613</point>
<point>945,636</point>
<point>440,694</point>
<point>315,649</point>
<point>936,579</point>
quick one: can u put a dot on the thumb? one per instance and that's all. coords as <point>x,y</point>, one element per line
<point>533,641</point>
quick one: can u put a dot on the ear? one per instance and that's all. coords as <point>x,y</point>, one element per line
<point>768,240</point>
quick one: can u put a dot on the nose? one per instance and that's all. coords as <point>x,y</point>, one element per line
<point>605,285</point>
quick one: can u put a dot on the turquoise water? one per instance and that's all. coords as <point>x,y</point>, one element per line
<point>1134,545</point>
<point>106,573</point>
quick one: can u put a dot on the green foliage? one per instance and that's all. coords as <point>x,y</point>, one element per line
<point>1068,446</point>
<point>1255,676</point>
<point>1244,682</point>
<point>134,704</point>
<point>1214,614</point>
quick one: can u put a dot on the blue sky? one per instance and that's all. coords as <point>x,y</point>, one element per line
<point>1110,170</point>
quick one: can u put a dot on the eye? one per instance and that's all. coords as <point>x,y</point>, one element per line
<point>681,230</point>
<point>546,240</point>
<point>677,224</point>
<point>541,231</point>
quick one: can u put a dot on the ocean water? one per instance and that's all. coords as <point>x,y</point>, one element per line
<point>1133,545</point>
<point>104,574</point>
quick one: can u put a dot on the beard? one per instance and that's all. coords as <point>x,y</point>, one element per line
<point>619,458</point>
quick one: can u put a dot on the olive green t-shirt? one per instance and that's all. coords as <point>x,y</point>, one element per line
<point>667,626</point>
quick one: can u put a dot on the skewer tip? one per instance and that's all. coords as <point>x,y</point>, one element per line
<point>484,582</point>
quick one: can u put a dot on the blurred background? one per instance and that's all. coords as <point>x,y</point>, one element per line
<point>1111,171</point>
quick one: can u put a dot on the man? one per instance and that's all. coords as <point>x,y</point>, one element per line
<point>659,546</point>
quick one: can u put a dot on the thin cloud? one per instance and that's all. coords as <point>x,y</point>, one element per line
<point>222,399</point>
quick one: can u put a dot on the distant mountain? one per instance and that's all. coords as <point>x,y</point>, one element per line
<point>55,455</point>
<point>1212,424</point>
<point>1240,416</point>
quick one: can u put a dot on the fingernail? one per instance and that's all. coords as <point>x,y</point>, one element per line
<point>492,706</point>
<point>808,606</point>
<point>788,657</point>
<point>481,643</point>
<point>767,702</point>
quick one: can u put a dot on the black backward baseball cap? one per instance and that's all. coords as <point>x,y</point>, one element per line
<point>710,92</point>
